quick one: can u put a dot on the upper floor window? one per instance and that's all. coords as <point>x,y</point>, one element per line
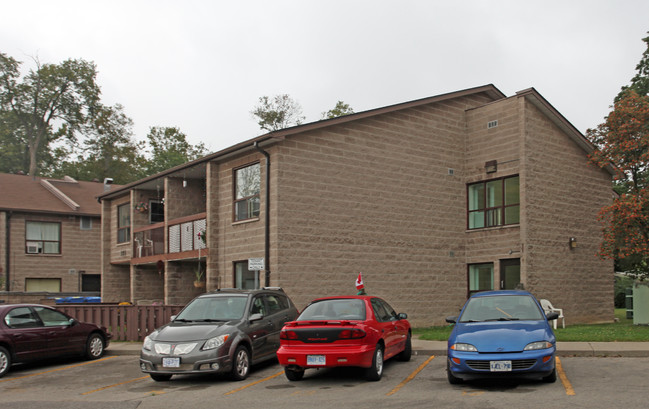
<point>247,182</point>
<point>85,223</point>
<point>43,238</point>
<point>493,203</point>
<point>124,223</point>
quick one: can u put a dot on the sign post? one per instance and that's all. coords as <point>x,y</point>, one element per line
<point>256,264</point>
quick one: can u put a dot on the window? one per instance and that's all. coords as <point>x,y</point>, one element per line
<point>51,318</point>
<point>493,203</point>
<point>51,285</point>
<point>22,317</point>
<point>246,192</point>
<point>243,278</point>
<point>124,223</point>
<point>85,223</point>
<point>481,277</point>
<point>42,238</point>
<point>91,282</point>
<point>156,211</point>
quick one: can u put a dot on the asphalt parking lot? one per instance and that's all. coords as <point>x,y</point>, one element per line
<point>116,382</point>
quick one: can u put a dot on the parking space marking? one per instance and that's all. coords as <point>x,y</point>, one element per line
<point>254,383</point>
<point>112,386</point>
<point>564,379</point>
<point>410,377</point>
<point>57,369</point>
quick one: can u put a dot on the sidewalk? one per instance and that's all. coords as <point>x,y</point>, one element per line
<point>421,347</point>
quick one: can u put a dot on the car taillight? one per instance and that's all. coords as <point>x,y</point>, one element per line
<point>351,334</point>
<point>287,334</point>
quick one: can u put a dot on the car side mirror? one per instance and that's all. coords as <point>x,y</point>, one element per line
<point>552,316</point>
<point>72,322</point>
<point>402,316</point>
<point>173,318</point>
<point>451,319</point>
<point>255,317</point>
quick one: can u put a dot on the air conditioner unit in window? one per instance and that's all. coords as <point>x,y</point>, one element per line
<point>32,248</point>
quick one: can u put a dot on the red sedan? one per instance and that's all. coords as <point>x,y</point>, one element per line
<point>361,331</point>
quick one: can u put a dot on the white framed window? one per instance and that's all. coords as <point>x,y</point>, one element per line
<point>247,182</point>
<point>42,237</point>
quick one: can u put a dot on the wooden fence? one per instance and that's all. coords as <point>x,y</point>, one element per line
<point>124,322</point>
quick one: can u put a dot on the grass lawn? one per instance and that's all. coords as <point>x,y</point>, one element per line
<point>624,330</point>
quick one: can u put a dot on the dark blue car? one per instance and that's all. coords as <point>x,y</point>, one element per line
<point>501,334</point>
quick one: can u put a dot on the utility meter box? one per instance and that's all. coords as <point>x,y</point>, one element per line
<point>641,303</point>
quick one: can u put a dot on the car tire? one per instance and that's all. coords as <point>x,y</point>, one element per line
<point>160,378</point>
<point>240,364</point>
<point>552,377</point>
<point>374,372</point>
<point>95,346</point>
<point>453,380</point>
<point>294,374</point>
<point>405,355</point>
<point>5,361</point>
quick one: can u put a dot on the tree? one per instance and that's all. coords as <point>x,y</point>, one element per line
<point>277,113</point>
<point>623,141</point>
<point>640,82</point>
<point>339,110</point>
<point>53,101</point>
<point>169,148</point>
<point>108,149</point>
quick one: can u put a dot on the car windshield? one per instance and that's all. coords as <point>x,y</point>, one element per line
<point>221,308</point>
<point>501,308</point>
<point>336,309</point>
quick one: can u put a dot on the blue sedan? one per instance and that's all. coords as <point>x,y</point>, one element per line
<point>501,334</point>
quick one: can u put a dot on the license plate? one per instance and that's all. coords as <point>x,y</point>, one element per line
<point>171,362</point>
<point>500,366</point>
<point>316,360</point>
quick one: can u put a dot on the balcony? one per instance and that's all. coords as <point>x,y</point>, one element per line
<point>182,235</point>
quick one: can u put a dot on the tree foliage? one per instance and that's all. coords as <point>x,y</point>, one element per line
<point>623,141</point>
<point>50,102</point>
<point>169,148</point>
<point>340,109</point>
<point>278,112</point>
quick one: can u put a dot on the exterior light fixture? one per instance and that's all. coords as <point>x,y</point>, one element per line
<point>491,166</point>
<point>572,243</point>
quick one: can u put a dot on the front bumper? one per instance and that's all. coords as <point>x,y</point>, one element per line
<point>474,365</point>
<point>203,362</point>
<point>296,356</point>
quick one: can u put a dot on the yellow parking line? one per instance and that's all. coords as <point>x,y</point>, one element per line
<point>57,369</point>
<point>564,379</point>
<point>254,383</point>
<point>410,377</point>
<point>112,386</point>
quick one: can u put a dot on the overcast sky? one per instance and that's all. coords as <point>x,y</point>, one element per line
<point>202,65</point>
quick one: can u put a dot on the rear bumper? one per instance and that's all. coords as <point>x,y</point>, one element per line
<point>293,356</point>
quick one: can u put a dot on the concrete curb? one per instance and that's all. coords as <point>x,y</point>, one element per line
<point>421,347</point>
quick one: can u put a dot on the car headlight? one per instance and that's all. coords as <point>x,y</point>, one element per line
<point>215,342</point>
<point>464,347</point>
<point>148,344</point>
<point>533,346</point>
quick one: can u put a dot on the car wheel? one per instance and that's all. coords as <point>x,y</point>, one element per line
<point>241,364</point>
<point>95,346</point>
<point>159,378</point>
<point>453,380</point>
<point>294,374</point>
<point>407,351</point>
<point>5,361</point>
<point>552,377</point>
<point>374,372</point>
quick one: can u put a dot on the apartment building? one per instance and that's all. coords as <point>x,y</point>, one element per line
<point>49,237</point>
<point>430,199</point>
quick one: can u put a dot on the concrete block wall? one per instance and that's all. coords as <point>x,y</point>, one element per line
<point>377,197</point>
<point>80,251</point>
<point>563,195</point>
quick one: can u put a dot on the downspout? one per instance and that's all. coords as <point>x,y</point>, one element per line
<point>267,221</point>
<point>7,249</point>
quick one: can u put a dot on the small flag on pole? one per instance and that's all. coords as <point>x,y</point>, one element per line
<point>359,282</point>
